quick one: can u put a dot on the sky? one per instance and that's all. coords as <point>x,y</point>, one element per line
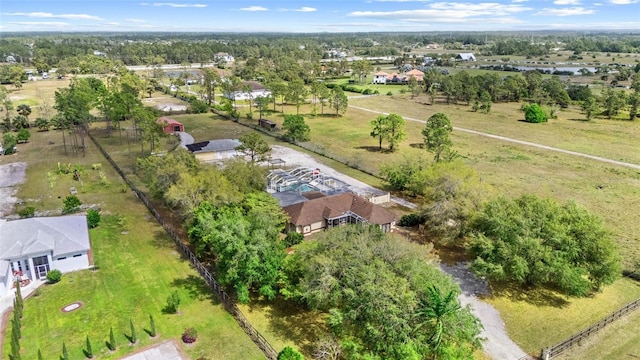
<point>310,16</point>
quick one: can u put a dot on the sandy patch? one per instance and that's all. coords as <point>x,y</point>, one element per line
<point>11,175</point>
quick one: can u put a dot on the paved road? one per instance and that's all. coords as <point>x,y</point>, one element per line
<point>521,142</point>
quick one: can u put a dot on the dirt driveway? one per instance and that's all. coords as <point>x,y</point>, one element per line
<point>11,174</point>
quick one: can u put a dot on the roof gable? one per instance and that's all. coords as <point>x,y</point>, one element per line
<point>59,234</point>
<point>316,210</point>
<point>168,121</point>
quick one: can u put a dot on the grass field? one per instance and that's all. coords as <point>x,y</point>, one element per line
<point>537,318</point>
<point>138,269</point>
<point>610,191</point>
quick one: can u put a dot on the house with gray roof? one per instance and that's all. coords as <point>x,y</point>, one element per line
<point>465,57</point>
<point>30,248</point>
<point>215,150</point>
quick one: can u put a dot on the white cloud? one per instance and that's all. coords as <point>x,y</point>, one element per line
<point>519,1</point>
<point>306,9</point>
<point>111,23</point>
<point>254,8</point>
<point>41,23</point>
<point>566,2</point>
<point>444,12</point>
<point>58,16</point>
<point>566,11</point>
<point>174,5</point>
<point>623,2</point>
<point>135,20</point>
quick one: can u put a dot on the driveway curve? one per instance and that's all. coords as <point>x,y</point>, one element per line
<point>185,139</point>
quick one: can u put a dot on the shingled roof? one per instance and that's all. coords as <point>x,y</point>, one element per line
<point>59,234</point>
<point>316,210</point>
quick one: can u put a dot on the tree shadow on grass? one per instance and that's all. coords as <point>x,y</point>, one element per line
<point>198,288</point>
<point>290,321</point>
<point>417,145</point>
<point>161,240</point>
<point>538,296</point>
<point>373,149</point>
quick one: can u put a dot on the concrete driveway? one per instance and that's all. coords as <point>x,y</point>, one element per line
<point>166,350</point>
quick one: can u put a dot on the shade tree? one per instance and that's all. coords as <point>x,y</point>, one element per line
<point>296,128</point>
<point>436,135</point>
<point>377,306</point>
<point>537,242</point>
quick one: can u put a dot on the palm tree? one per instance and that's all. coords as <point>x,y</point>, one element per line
<point>433,310</point>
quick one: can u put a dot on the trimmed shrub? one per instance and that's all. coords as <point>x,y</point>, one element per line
<point>189,336</point>
<point>27,212</point>
<point>134,334</point>
<point>112,340</point>
<point>93,218</point>
<point>88,352</point>
<point>152,327</point>
<point>54,276</point>
<point>173,301</point>
<point>70,204</point>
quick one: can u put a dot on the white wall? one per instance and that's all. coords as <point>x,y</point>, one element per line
<point>71,263</point>
<point>3,285</point>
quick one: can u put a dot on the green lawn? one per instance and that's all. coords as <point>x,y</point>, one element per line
<point>138,266</point>
<point>539,318</point>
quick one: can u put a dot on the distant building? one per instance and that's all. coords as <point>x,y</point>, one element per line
<point>215,150</point>
<point>223,56</point>
<point>380,77</point>
<point>415,74</point>
<point>257,90</point>
<point>465,57</point>
<point>170,126</point>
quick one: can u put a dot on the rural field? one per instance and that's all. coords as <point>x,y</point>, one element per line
<point>137,268</point>
<point>610,191</point>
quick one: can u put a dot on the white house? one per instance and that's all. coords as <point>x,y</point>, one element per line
<point>223,56</point>
<point>257,90</point>
<point>465,57</point>
<point>30,248</point>
<point>215,150</point>
<point>380,77</point>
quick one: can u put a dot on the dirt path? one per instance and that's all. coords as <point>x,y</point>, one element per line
<point>11,175</point>
<point>498,344</point>
<point>521,142</point>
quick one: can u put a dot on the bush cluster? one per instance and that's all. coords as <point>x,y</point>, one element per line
<point>410,220</point>
<point>54,276</point>
<point>189,336</point>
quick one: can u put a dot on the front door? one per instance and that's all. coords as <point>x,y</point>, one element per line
<point>41,266</point>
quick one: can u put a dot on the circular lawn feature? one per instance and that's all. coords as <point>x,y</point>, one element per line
<point>73,306</point>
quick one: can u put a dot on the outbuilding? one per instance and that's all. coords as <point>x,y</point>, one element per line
<point>170,126</point>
